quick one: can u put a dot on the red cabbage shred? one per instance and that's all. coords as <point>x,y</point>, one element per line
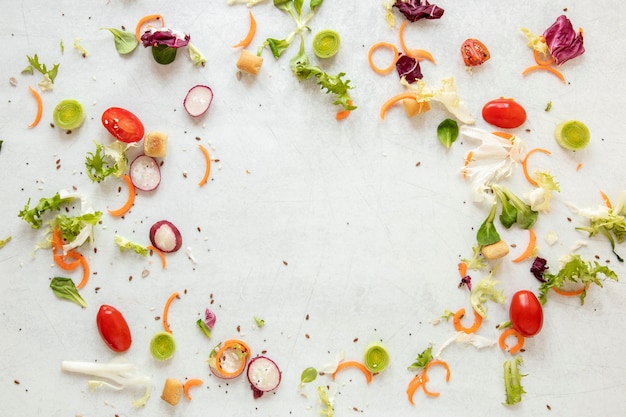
<point>415,10</point>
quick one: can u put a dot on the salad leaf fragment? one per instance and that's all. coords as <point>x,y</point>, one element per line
<point>307,376</point>
<point>483,291</point>
<point>208,323</point>
<point>4,241</point>
<point>49,74</point>
<point>563,41</point>
<point>409,68</point>
<point>415,10</point>
<point>448,132</point>
<point>33,215</point>
<point>65,288</point>
<point>107,160</point>
<point>513,381</point>
<point>125,42</point>
<point>487,233</point>
<point>422,359</point>
<point>125,244</point>
<point>514,209</point>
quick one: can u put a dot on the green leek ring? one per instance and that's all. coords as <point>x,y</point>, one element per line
<point>162,346</point>
<point>68,114</point>
<point>376,358</point>
<point>572,134</point>
<point>326,43</point>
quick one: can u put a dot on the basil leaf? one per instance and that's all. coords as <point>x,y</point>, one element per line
<point>164,54</point>
<point>125,42</point>
<point>308,375</point>
<point>315,4</point>
<point>65,288</point>
<point>448,132</point>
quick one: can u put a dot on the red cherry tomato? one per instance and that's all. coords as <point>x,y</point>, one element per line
<point>474,52</point>
<point>504,112</point>
<point>526,313</point>
<point>113,328</point>
<point>122,124</point>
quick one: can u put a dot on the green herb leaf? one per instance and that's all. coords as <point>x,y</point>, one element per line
<point>125,42</point>
<point>107,160</point>
<point>195,55</point>
<point>126,244</point>
<point>4,241</point>
<point>525,216</point>
<point>259,322</point>
<point>448,132</point>
<point>308,375</point>
<point>487,233</point>
<point>548,106</point>
<point>422,359</point>
<point>164,54</point>
<point>33,216</point>
<point>327,410</point>
<point>71,226</point>
<point>34,64</point>
<point>284,5</point>
<point>314,4</point>
<point>65,288</point>
<point>513,381</point>
<point>204,328</point>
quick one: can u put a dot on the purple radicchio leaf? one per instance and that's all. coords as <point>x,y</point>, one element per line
<point>415,10</point>
<point>538,268</point>
<point>209,318</point>
<point>563,41</point>
<point>256,393</point>
<point>467,281</point>
<point>164,37</point>
<point>409,68</point>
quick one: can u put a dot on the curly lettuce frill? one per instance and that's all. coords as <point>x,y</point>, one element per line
<point>563,41</point>
<point>415,10</point>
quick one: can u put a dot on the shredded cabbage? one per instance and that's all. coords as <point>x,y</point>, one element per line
<point>446,95</point>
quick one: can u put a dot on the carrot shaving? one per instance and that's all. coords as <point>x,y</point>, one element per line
<point>393,100</point>
<point>478,320</point>
<point>545,68</point>
<point>129,202</point>
<point>418,381</point>
<point>207,169</point>
<point>532,242</point>
<point>462,269</point>
<point>161,255</point>
<point>572,293</point>
<point>354,364</point>
<point>421,54</point>
<point>468,160</point>
<point>525,164</point>
<point>544,61</point>
<point>230,344</point>
<point>606,199</point>
<point>342,114</point>
<point>85,265</point>
<point>191,383</point>
<point>251,32</point>
<point>37,96</point>
<point>166,310</point>
<point>145,20</point>
<point>516,347</point>
<point>504,135</point>
<point>370,57</point>
<point>578,167</point>
<point>426,368</point>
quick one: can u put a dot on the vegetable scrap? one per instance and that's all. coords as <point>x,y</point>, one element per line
<point>474,53</point>
<point>129,201</point>
<point>68,114</point>
<point>515,348</point>
<point>162,346</point>
<point>572,135</point>
<point>166,309</point>
<point>39,101</point>
<point>326,43</point>
<point>250,35</point>
<point>353,364</point>
<point>415,10</point>
<point>513,381</point>
<point>113,328</point>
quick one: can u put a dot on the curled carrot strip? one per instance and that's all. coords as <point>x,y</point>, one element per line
<point>572,293</point>
<point>85,265</point>
<point>504,135</point>
<point>426,368</point>
<point>525,164</point>
<point>145,20</point>
<point>166,310</point>
<point>468,160</point>
<point>230,344</point>
<point>511,332</point>
<point>545,68</point>
<point>161,255</point>
<point>421,54</point>
<point>540,61</point>
<point>532,241</point>
<point>207,170</point>
<point>606,199</point>
<point>418,381</point>
<point>251,32</point>
<point>478,320</point>
<point>375,47</point>
<point>37,96</point>
<point>578,167</point>
<point>462,269</point>
<point>191,383</point>
<point>393,100</point>
<point>129,202</point>
<point>355,364</point>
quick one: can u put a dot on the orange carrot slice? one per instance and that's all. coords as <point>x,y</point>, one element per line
<point>606,199</point>
<point>456,320</point>
<point>191,383</point>
<point>37,96</point>
<point>145,20</point>
<point>462,267</point>
<point>207,169</point>
<point>532,241</point>
<point>426,368</point>
<point>129,202</point>
<point>418,381</point>
<point>354,364</point>
<point>545,68</point>
<point>525,164</point>
<point>166,310</point>
<point>545,61</point>
<point>516,347</point>
<point>231,344</point>
<point>374,48</point>
<point>578,167</point>
<point>393,100</point>
<point>250,35</point>
<point>160,253</point>
<point>85,265</point>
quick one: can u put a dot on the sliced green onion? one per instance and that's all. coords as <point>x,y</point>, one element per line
<point>162,346</point>
<point>376,358</point>
<point>68,114</point>
<point>326,43</point>
<point>572,134</point>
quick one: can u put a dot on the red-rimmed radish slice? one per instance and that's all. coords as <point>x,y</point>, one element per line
<point>145,173</point>
<point>198,100</point>
<point>263,375</point>
<point>165,236</point>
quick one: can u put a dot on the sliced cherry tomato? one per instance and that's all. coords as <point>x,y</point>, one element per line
<point>526,313</point>
<point>122,124</point>
<point>113,328</point>
<point>504,112</point>
<point>474,52</point>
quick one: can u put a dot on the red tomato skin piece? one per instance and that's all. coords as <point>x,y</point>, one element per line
<point>526,313</point>
<point>113,328</point>
<point>504,112</point>
<point>122,124</point>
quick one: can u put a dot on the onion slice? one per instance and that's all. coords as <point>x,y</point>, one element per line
<point>145,173</point>
<point>263,375</point>
<point>198,100</point>
<point>165,236</point>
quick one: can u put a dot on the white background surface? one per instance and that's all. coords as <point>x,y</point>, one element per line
<point>304,216</point>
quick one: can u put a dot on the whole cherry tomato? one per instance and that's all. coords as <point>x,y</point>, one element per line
<point>526,313</point>
<point>504,112</point>
<point>113,328</point>
<point>122,124</point>
<point>474,52</point>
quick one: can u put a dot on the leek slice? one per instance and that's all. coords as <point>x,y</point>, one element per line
<point>326,43</point>
<point>162,346</point>
<point>376,358</point>
<point>68,114</point>
<point>572,134</point>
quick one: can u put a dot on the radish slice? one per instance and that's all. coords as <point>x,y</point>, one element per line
<point>198,100</point>
<point>145,173</point>
<point>263,374</point>
<point>165,236</point>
